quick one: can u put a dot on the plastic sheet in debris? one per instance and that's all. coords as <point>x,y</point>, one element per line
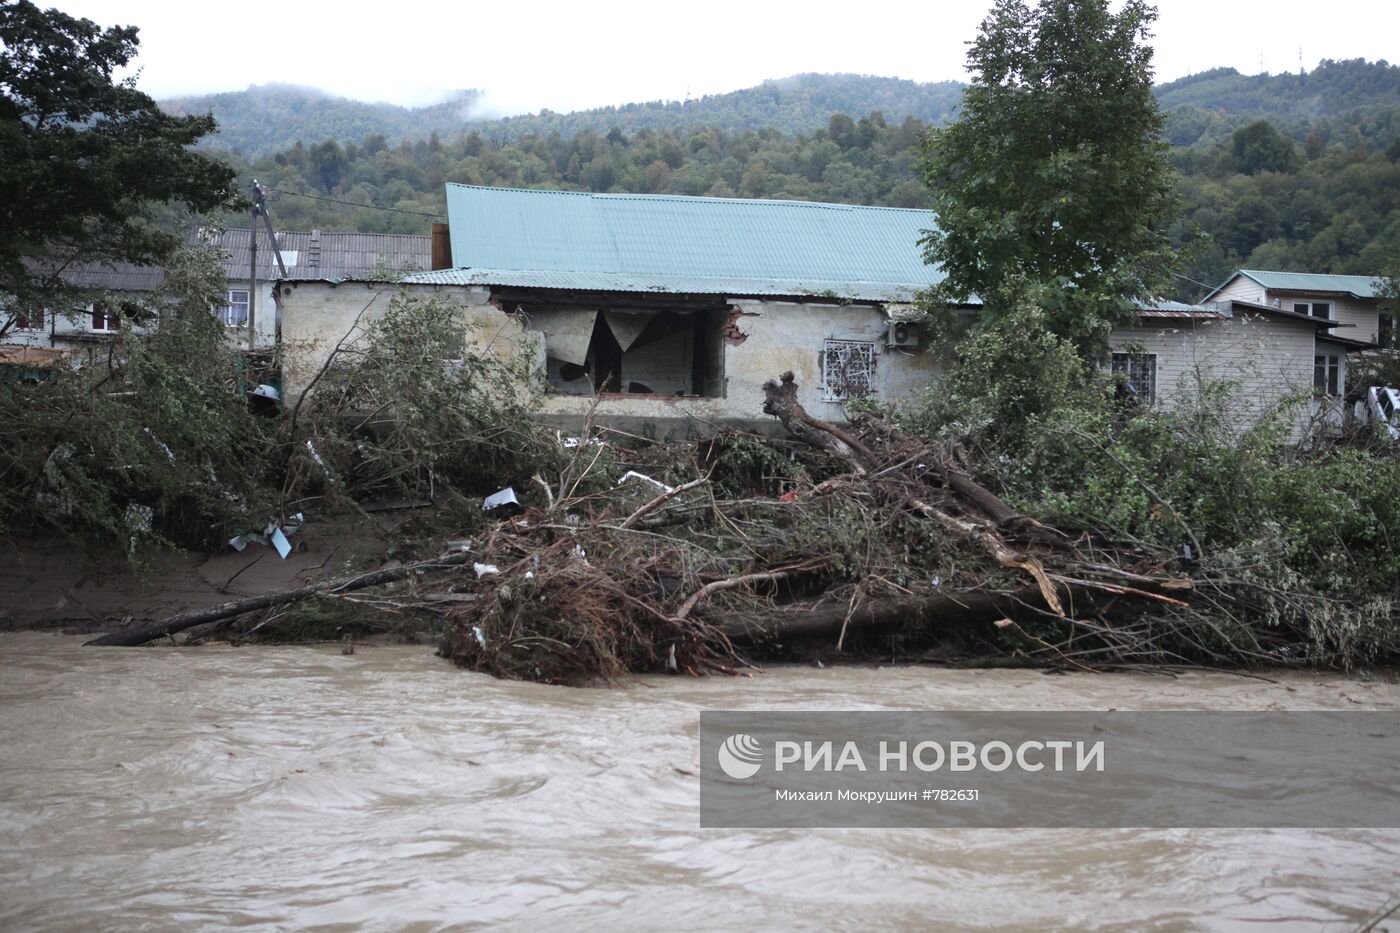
<point>503,498</point>
<point>633,474</point>
<point>274,535</point>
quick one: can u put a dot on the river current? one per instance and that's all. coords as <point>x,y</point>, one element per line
<point>273,788</point>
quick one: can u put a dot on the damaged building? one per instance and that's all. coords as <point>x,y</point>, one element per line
<point>665,315</point>
<point>667,312</point>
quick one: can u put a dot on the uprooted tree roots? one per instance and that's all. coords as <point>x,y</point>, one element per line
<point>858,541</point>
<point>898,548</point>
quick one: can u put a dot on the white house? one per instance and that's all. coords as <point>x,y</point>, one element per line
<point>1351,303</point>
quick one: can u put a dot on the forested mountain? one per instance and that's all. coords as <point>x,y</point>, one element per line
<point>1210,105</point>
<point>1321,192</point>
<point>268,118</point>
<point>799,104</point>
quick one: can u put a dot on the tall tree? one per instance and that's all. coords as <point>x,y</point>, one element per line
<point>1055,172</point>
<point>1259,147</point>
<point>86,160</point>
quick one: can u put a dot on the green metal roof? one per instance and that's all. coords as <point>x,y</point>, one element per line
<point>1358,286</point>
<point>668,243</point>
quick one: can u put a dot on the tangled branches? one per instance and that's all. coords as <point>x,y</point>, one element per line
<point>890,535</point>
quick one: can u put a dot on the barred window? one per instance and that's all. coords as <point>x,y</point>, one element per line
<point>1139,372</point>
<point>848,370</point>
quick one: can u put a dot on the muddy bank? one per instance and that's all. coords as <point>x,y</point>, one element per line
<point>52,584</point>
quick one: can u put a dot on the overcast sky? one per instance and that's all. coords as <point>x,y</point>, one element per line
<point>568,56</point>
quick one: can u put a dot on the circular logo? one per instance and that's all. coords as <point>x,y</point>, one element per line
<point>740,756</point>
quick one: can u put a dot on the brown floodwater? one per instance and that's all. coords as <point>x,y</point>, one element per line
<point>176,788</point>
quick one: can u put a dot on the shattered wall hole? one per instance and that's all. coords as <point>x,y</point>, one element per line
<point>665,352</point>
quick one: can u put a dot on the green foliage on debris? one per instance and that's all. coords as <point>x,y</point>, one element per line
<point>1294,544</point>
<point>150,444</point>
<point>154,443</point>
<point>411,407</point>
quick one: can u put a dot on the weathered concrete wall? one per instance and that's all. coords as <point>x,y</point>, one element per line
<point>1269,358</point>
<point>764,340</point>
<point>318,315</point>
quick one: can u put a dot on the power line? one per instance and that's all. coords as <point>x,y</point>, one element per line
<point>1193,281</point>
<point>370,207</point>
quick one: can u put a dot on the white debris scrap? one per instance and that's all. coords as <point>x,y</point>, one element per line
<point>633,474</point>
<point>170,454</point>
<point>498,499</point>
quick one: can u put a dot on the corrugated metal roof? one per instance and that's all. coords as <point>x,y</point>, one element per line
<point>666,243</point>
<point>1359,286</point>
<point>314,255</point>
<point>325,255</point>
<point>1161,307</point>
<point>113,276</point>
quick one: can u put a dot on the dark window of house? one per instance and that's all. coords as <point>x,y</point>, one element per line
<point>1327,374</point>
<point>29,320</point>
<point>1322,309</point>
<point>105,318</point>
<point>1139,371</point>
<point>1385,334</point>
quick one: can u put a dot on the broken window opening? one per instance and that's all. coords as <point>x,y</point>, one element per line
<point>668,353</point>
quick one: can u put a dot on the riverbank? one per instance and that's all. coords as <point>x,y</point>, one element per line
<point>54,585</point>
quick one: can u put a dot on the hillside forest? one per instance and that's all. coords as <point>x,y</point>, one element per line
<point>1294,171</point>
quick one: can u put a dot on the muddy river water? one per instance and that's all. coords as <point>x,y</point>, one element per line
<point>279,788</point>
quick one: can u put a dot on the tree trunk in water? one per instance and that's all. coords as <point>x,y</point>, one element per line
<point>193,617</point>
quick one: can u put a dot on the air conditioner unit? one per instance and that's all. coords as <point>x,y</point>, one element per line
<point>902,334</point>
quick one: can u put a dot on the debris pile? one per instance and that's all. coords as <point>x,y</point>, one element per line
<point>854,541</point>
<point>890,540</point>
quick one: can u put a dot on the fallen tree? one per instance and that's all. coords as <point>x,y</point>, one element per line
<point>854,556</point>
<point>855,540</point>
<point>207,615</point>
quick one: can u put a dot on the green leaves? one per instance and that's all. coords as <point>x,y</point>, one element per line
<point>84,160</point>
<point>1055,171</point>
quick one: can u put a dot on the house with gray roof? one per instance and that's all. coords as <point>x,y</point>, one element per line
<point>315,255</point>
